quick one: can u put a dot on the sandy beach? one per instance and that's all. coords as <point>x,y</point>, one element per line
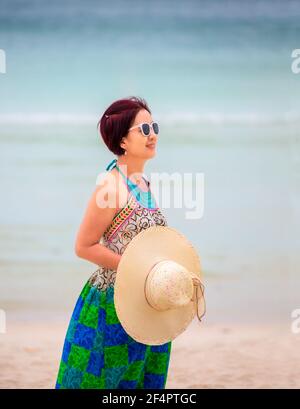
<point>204,356</point>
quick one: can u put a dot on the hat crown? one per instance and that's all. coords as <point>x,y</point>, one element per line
<point>169,285</point>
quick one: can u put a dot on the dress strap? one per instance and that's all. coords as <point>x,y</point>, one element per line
<point>111,163</point>
<point>133,186</point>
<point>141,196</point>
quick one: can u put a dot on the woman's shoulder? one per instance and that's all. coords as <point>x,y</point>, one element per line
<point>112,184</point>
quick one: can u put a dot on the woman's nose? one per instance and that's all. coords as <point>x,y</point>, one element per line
<point>152,137</point>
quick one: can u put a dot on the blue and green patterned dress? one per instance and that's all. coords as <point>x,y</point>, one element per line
<point>97,352</point>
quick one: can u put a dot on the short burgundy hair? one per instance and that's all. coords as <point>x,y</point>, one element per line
<point>121,116</point>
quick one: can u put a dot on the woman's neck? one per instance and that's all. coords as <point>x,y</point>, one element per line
<point>131,167</point>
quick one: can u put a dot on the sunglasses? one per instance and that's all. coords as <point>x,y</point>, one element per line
<point>146,128</point>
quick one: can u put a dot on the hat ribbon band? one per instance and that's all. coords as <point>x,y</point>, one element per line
<point>199,290</point>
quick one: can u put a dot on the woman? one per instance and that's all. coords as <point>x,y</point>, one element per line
<point>97,352</point>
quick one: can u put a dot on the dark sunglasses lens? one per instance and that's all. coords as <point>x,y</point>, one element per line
<point>146,129</point>
<point>155,128</point>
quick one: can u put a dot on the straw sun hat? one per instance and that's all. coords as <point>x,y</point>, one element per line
<point>158,288</point>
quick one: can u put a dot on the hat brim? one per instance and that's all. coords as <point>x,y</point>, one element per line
<point>142,322</point>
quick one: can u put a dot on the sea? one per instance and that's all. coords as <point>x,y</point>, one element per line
<point>218,77</point>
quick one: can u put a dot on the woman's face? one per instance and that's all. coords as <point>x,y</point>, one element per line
<point>135,143</point>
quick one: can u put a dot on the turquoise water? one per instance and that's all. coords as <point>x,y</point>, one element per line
<point>211,59</point>
<point>217,76</point>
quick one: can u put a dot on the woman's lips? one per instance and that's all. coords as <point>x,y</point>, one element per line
<point>151,146</point>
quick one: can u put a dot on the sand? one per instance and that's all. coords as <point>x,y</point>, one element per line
<point>204,356</point>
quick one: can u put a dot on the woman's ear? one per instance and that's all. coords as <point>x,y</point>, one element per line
<point>122,144</point>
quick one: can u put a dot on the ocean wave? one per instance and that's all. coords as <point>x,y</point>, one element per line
<point>47,118</point>
<point>249,118</point>
<point>168,119</point>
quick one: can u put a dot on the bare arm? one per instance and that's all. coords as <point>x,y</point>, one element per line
<point>95,221</point>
